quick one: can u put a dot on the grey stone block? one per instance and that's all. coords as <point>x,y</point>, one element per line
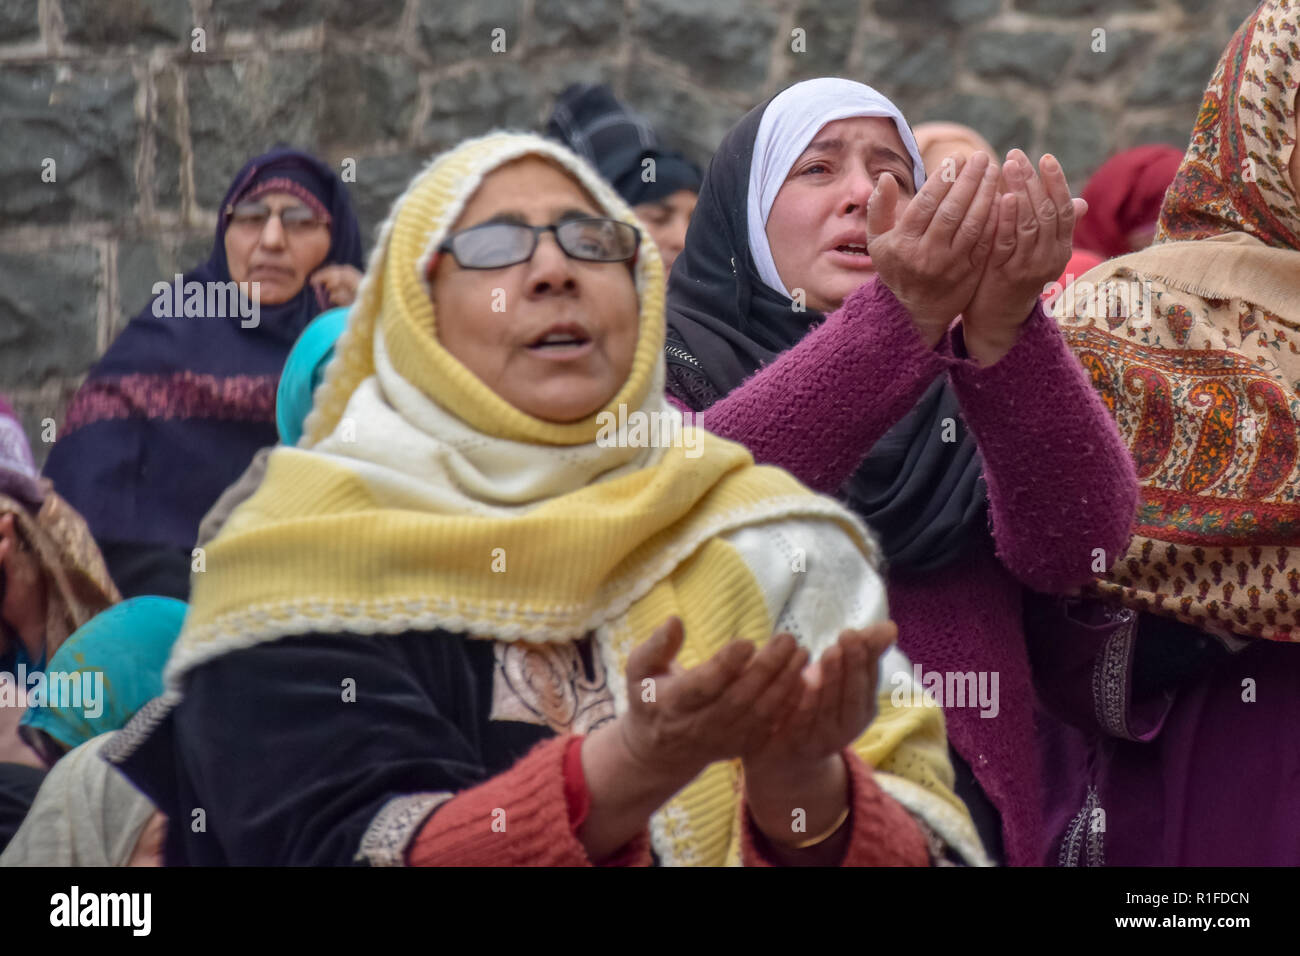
<point>380,180</point>
<point>126,22</point>
<point>86,123</point>
<point>828,27</point>
<point>451,31</point>
<point>1038,57</point>
<point>938,12</point>
<point>553,78</point>
<point>371,15</point>
<point>687,119</point>
<point>1178,73</point>
<point>907,63</point>
<point>1080,136</point>
<point>237,112</point>
<point>259,14</point>
<point>725,43</point>
<point>368,96</point>
<point>293,14</point>
<point>576,24</point>
<point>48,309</point>
<point>1122,48</point>
<point>501,95</point>
<point>143,262</point>
<point>19,21</point>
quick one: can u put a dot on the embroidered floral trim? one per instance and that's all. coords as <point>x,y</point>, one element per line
<point>283,185</point>
<point>547,684</point>
<point>385,841</point>
<point>1084,835</point>
<point>1110,678</point>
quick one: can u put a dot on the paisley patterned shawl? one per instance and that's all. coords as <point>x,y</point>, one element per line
<point>1194,344</point>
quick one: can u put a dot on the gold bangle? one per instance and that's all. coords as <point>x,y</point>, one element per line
<point>823,837</point>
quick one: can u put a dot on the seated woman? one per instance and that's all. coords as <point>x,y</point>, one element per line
<point>660,185</point>
<point>179,403</point>
<point>52,578</point>
<point>1182,682</point>
<point>809,317</point>
<point>453,626</point>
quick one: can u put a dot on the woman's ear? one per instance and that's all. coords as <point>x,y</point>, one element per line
<point>433,265</point>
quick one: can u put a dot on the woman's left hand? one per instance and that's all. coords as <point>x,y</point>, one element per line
<point>1032,246</point>
<point>797,774</point>
<point>339,282</point>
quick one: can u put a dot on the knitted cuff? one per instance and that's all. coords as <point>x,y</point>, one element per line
<point>1039,340</point>
<point>883,834</point>
<point>517,818</point>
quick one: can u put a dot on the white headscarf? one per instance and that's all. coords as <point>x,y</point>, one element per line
<point>789,124</point>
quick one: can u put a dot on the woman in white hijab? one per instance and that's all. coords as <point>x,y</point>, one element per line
<point>878,334</point>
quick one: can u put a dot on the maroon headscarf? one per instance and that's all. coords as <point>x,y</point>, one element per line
<point>1125,194</point>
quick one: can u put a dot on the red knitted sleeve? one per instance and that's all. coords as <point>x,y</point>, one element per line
<point>884,834</point>
<point>517,818</point>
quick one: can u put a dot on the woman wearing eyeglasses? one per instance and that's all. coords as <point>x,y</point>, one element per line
<point>175,409</point>
<point>453,627</point>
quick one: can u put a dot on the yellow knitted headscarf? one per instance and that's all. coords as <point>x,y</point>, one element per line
<point>419,500</point>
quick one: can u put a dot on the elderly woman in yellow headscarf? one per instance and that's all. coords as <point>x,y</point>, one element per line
<point>1183,681</point>
<point>499,606</point>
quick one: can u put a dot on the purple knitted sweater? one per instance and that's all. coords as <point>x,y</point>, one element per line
<point>1060,482</point>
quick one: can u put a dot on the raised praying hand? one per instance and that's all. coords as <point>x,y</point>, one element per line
<point>958,249</point>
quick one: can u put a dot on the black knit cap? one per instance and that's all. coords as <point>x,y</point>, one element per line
<point>595,125</point>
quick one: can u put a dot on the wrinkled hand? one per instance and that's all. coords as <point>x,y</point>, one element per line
<point>837,702</point>
<point>932,257</point>
<point>718,710</point>
<point>1034,233</point>
<point>339,283</point>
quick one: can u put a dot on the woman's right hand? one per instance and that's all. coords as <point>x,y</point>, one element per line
<point>933,257</point>
<point>679,721</point>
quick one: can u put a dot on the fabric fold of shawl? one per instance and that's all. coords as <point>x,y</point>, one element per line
<point>1194,344</point>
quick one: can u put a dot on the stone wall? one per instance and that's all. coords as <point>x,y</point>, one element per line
<point>148,107</point>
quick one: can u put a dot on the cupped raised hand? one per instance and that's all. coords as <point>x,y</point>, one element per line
<point>932,256</point>
<point>837,702</point>
<point>1032,244</point>
<point>680,720</point>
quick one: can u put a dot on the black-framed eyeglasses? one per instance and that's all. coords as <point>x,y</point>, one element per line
<point>495,245</point>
